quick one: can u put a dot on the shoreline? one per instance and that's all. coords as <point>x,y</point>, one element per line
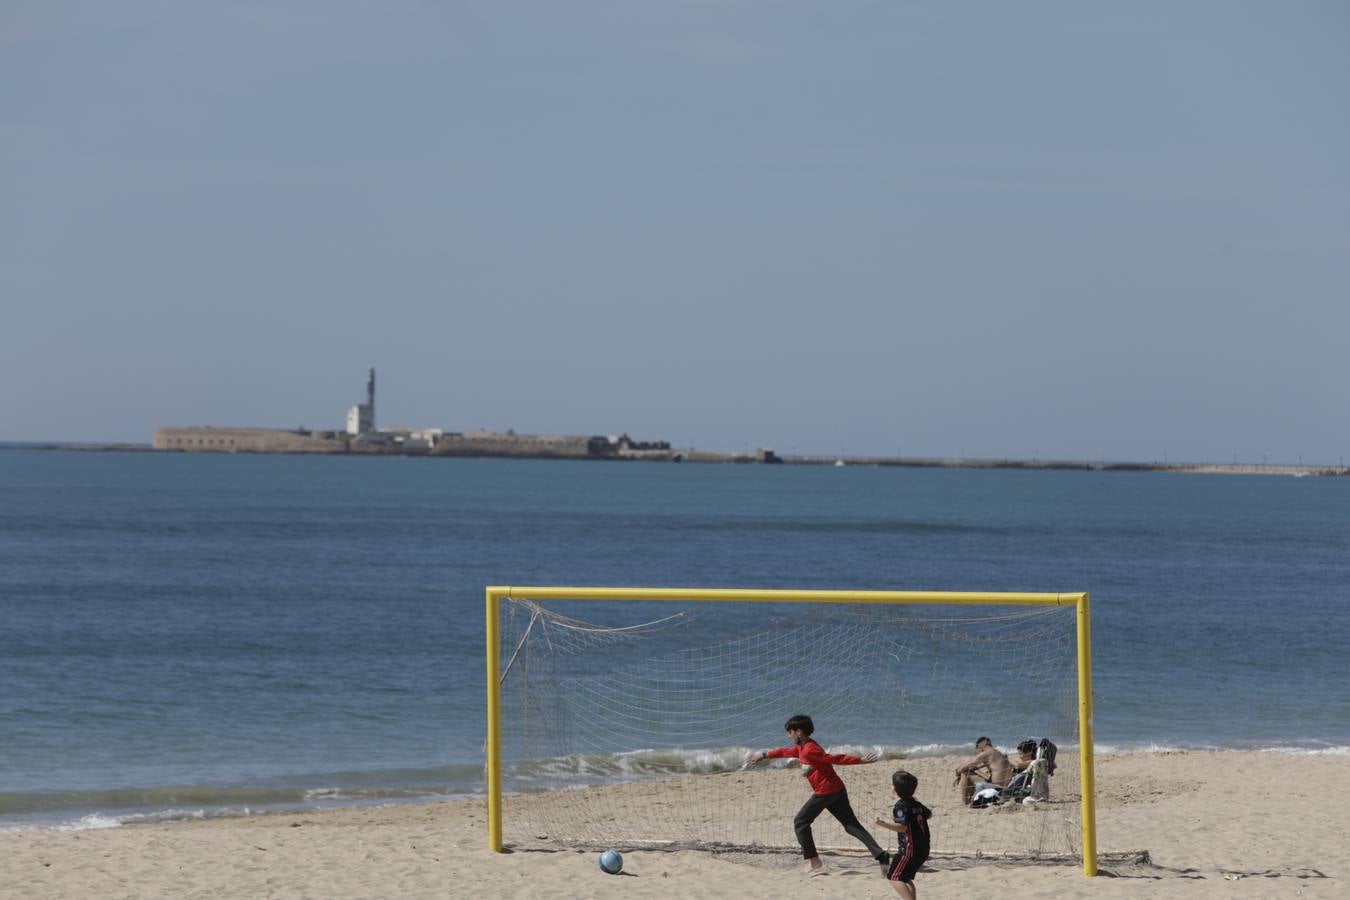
<point>711,457</point>
<point>1200,834</point>
<point>101,816</point>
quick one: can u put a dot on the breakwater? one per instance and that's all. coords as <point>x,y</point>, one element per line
<point>489,444</point>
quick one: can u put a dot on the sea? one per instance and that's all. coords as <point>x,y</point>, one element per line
<point>187,636</point>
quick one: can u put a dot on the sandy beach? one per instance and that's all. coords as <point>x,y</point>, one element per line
<point>1213,825</point>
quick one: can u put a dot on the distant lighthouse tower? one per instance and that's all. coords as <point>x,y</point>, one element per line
<point>370,401</point>
<point>361,418</point>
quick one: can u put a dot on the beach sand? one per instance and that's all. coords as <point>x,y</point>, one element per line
<point>1213,825</point>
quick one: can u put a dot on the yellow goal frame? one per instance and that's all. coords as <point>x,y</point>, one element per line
<point>495,596</point>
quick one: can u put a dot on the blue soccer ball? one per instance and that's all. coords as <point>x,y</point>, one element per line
<point>611,862</point>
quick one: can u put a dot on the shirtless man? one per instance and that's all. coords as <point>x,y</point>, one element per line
<point>988,763</point>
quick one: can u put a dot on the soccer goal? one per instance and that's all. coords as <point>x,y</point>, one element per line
<point>622,717</point>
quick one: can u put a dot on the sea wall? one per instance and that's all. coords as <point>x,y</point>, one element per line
<point>534,446</point>
<point>248,440</point>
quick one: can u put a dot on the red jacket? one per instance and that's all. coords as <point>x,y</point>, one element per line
<point>817,765</point>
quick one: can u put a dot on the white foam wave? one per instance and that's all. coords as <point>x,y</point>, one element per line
<point>695,761</point>
<point>1312,748</point>
<point>1308,751</point>
<point>174,815</point>
<point>315,795</point>
<point>90,823</point>
<point>650,762</point>
<point>935,750</point>
<point>1130,749</point>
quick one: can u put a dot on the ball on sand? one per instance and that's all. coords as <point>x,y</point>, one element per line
<point>611,861</point>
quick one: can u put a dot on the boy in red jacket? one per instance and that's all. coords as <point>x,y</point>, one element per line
<point>828,791</point>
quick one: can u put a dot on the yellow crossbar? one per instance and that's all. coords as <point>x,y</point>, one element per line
<point>740,595</point>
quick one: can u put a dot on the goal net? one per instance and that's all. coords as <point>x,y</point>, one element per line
<point>623,718</point>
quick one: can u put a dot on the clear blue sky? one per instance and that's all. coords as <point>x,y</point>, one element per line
<point>1073,230</point>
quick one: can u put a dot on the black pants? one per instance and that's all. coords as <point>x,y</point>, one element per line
<point>842,810</point>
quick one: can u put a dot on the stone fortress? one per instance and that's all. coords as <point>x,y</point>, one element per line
<point>363,436</point>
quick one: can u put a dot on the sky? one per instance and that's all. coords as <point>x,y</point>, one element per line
<point>1026,230</point>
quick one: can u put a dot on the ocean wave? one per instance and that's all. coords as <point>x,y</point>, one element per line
<point>1153,747</point>
<point>91,822</point>
<point>84,810</point>
<point>1309,751</point>
<point>141,798</point>
<point>581,769</point>
<point>97,821</point>
<point>634,765</point>
<point>1295,748</point>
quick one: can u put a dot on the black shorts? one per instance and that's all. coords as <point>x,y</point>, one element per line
<point>906,865</point>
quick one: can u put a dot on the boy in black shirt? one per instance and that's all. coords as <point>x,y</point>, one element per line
<point>911,825</point>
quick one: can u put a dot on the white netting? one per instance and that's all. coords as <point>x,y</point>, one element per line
<point>625,724</point>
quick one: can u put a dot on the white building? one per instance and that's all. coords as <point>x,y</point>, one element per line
<point>361,418</point>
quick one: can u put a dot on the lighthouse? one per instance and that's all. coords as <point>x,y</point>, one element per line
<point>361,418</point>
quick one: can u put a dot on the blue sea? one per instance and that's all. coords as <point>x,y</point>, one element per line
<point>199,635</point>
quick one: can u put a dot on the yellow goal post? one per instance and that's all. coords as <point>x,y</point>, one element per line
<point>496,595</point>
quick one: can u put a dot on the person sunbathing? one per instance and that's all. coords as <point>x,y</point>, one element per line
<point>988,768</point>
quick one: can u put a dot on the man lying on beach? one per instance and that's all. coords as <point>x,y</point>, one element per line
<point>828,791</point>
<point>988,768</point>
